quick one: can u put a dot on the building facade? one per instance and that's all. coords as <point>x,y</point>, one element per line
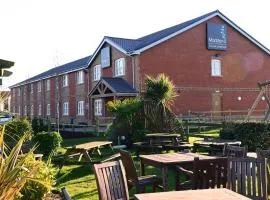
<point>214,64</point>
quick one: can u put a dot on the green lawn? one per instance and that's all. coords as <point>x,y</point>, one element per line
<point>79,178</point>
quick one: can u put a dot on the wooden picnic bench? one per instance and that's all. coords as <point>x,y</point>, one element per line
<point>88,148</point>
<point>213,145</point>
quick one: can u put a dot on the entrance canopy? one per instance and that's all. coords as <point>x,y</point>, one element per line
<point>112,87</point>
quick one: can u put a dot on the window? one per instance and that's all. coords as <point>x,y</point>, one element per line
<point>215,67</point>
<point>32,110</point>
<point>39,110</point>
<point>39,86</point>
<point>19,91</point>
<point>65,108</point>
<point>14,109</point>
<point>31,88</point>
<point>57,109</point>
<point>119,67</point>
<point>97,72</point>
<point>65,80</point>
<point>80,108</point>
<point>25,110</point>
<point>48,84</point>
<point>48,109</point>
<point>79,77</point>
<point>19,110</point>
<point>98,107</point>
<point>24,90</point>
<point>14,92</point>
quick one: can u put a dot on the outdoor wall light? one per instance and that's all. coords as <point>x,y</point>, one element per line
<point>239,98</point>
<point>263,98</point>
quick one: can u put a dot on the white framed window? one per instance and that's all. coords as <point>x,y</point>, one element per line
<point>25,90</point>
<point>39,110</point>
<point>39,86</point>
<point>25,110</point>
<point>57,109</point>
<point>19,91</point>
<point>80,77</point>
<point>31,88</point>
<point>80,108</point>
<point>119,67</point>
<point>98,107</point>
<point>48,84</point>
<point>19,110</point>
<point>32,110</point>
<point>97,72</point>
<point>14,109</point>
<point>13,92</point>
<point>65,80</point>
<point>48,109</point>
<point>65,108</point>
<point>215,67</point>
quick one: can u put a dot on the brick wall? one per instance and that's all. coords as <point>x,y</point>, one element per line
<point>186,60</point>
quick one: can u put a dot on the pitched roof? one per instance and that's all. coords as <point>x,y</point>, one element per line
<point>138,45</point>
<point>68,67</point>
<point>119,85</point>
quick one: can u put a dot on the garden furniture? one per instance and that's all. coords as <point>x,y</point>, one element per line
<point>205,194</point>
<point>213,146</point>
<point>205,174</point>
<point>88,148</point>
<point>140,182</point>
<point>111,181</point>
<point>65,194</point>
<point>234,151</point>
<point>164,161</point>
<point>248,176</point>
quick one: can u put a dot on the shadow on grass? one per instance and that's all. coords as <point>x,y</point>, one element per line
<point>83,195</point>
<point>74,172</point>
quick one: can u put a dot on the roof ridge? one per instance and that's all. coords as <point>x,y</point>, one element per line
<point>119,38</point>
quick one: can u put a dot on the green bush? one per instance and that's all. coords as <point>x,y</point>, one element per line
<point>227,132</point>
<point>48,142</point>
<point>15,129</point>
<point>252,135</point>
<point>38,125</point>
<point>45,172</point>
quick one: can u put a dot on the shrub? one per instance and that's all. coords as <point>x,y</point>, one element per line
<point>252,135</point>
<point>48,142</point>
<point>13,170</point>
<point>38,125</point>
<point>15,129</point>
<point>45,172</point>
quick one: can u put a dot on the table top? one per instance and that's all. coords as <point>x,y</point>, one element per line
<point>208,194</point>
<point>91,145</point>
<point>162,135</point>
<point>172,158</point>
<point>217,142</point>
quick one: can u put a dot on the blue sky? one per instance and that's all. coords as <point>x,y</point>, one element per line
<point>40,34</point>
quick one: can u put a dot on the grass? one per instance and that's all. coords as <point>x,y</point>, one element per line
<point>80,180</point>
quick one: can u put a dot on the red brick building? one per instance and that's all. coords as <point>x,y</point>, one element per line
<point>214,64</point>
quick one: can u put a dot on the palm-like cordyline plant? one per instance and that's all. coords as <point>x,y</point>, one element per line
<point>158,99</point>
<point>13,173</point>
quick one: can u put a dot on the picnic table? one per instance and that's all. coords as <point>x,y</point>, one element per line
<point>206,194</point>
<point>214,145</point>
<point>159,138</point>
<point>164,161</point>
<point>88,148</point>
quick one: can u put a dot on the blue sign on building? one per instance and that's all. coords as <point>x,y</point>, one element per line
<point>217,36</point>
